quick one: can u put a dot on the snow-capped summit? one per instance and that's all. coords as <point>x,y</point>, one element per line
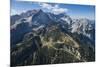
<point>83,26</point>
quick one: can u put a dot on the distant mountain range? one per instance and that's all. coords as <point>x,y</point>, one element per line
<point>58,32</point>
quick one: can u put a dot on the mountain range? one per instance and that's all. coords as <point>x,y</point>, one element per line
<point>39,37</point>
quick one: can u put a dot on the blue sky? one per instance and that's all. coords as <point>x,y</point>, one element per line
<point>75,11</point>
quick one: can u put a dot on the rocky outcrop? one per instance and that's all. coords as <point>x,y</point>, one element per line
<point>40,37</point>
<point>23,53</point>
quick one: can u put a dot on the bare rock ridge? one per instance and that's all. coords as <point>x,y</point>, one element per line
<point>39,37</point>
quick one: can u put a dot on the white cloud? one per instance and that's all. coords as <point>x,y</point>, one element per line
<point>14,12</point>
<point>45,5</point>
<point>59,10</point>
<point>53,8</point>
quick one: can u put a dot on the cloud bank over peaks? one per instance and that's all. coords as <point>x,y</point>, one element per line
<point>53,8</point>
